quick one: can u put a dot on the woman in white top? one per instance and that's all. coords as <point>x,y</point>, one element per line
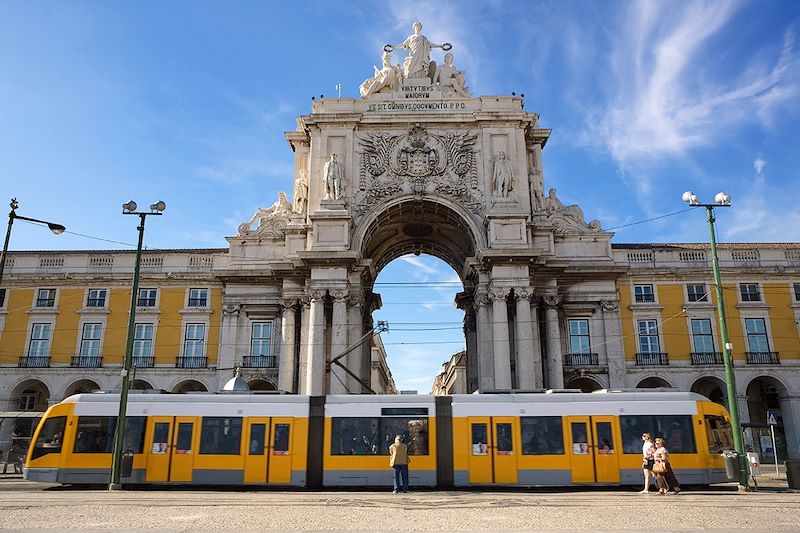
<point>647,460</point>
<point>665,479</point>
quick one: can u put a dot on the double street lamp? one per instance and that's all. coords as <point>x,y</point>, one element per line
<point>724,200</point>
<point>119,436</point>
<point>58,229</point>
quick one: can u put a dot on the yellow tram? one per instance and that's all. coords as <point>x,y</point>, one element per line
<point>530,439</point>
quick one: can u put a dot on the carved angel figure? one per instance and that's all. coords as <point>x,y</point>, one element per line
<point>387,77</point>
<point>450,79</point>
<point>502,180</point>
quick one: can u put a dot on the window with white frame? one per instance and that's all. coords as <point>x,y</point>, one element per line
<point>579,336</point>
<point>28,400</point>
<point>96,298</point>
<point>198,298</point>
<point>702,335</point>
<point>643,294</point>
<point>90,339</point>
<point>40,340</point>
<point>696,292</point>
<point>795,287</point>
<point>260,339</point>
<point>147,298</point>
<point>750,292</point>
<point>193,341</point>
<point>46,298</point>
<point>648,336</point>
<point>143,340</point>
<point>757,340</point>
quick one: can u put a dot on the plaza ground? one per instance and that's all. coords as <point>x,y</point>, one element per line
<point>40,506</point>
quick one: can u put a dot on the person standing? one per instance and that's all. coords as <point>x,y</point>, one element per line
<point>665,477</point>
<point>648,459</point>
<point>398,460</point>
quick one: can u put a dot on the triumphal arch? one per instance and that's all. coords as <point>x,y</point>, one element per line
<point>417,164</point>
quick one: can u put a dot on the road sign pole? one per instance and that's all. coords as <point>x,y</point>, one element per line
<point>774,449</point>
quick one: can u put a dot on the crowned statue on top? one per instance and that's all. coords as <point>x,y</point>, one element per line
<point>416,66</point>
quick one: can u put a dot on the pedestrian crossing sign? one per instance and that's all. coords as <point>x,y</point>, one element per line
<point>773,418</point>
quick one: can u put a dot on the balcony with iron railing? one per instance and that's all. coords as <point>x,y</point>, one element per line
<point>34,361</point>
<point>259,361</point>
<point>192,362</point>
<point>652,359</point>
<point>144,361</point>
<point>706,358</point>
<point>763,358</point>
<point>581,359</point>
<point>86,361</point>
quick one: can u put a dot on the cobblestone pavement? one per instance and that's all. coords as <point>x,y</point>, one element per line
<point>35,506</point>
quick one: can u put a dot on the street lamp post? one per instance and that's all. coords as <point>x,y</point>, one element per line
<point>119,435</point>
<point>58,229</point>
<point>724,200</point>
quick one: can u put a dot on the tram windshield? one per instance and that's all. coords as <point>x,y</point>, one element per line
<point>720,435</point>
<point>50,437</point>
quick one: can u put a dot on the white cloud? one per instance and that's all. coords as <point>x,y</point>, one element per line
<point>665,103</point>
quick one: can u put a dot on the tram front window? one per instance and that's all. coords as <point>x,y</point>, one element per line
<point>50,437</point>
<point>720,436</point>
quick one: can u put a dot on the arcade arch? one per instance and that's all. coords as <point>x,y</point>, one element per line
<point>585,384</point>
<point>80,387</point>
<point>261,385</point>
<point>30,395</point>
<point>654,382</point>
<point>189,385</point>
<point>712,388</point>
<point>140,384</point>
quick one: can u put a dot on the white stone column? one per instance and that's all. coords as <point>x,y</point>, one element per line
<point>315,366</point>
<point>355,332</point>
<point>470,334</point>
<point>525,368</point>
<point>536,343</point>
<point>288,356</point>
<point>612,343</point>
<point>302,367</point>
<point>485,352</point>
<point>339,377</point>
<point>501,345</point>
<point>555,365</point>
<point>226,360</point>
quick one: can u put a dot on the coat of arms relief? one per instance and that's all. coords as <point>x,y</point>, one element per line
<point>419,163</point>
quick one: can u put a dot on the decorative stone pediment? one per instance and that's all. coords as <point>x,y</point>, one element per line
<point>418,162</point>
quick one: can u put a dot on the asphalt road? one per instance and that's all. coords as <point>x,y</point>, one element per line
<point>36,506</point>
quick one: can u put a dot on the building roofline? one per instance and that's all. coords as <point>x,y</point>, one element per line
<point>107,252</point>
<point>704,246</point>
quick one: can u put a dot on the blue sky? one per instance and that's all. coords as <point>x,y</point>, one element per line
<point>102,102</point>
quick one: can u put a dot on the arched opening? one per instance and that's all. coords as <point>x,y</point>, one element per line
<point>82,386</point>
<point>653,383</point>
<point>712,388</point>
<point>419,249</point>
<point>767,398</point>
<point>140,384</point>
<point>30,395</point>
<point>190,385</point>
<point>261,385</point>
<point>585,384</point>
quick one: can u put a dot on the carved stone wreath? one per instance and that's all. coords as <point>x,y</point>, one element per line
<point>418,162</point>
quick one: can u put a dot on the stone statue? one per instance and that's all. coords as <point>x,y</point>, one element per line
<point>386,78</point>
<point>281,208</point>
<point>419,48</point>
<point>554,205</point>
<point>332,176</point>
<point>301,193</point>
<point>450,79</point>
<point>502,177</point>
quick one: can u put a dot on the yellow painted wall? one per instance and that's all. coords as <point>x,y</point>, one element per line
<point>626,315</point>
<point>15,330</point>
<point>169,334</point>
<point>119,301</point>
<point>785,338</point>
<point>63,344</point>
<point>214,325</point>
<point>675,332</point>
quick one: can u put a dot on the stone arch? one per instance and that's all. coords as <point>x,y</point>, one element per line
<point>654,382</point>
<point>189,385</point>
<point>584,383</point>
<point>764,392</point>
<point>30,395</point>
<point>80,386</point>
<point>712,388</point>
<point>410,224</point>
<point>260,384</point>
<point>140,384</point>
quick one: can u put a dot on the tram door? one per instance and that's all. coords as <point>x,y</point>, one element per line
<point>593,453</point>
<point>158,447</point>
<point>182,460</point>
<point>170,449</point>
<point>268,458</point>
<point>492,455</point>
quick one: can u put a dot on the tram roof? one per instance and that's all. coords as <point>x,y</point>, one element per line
<point>640,395</point>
